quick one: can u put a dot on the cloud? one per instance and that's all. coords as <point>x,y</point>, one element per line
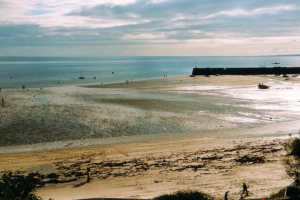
<point>238,12</point>
<point>140,23</point>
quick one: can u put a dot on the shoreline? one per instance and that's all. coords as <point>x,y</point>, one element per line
<point>61,85</point>
<point>152,137</point>
<point>174,84</point>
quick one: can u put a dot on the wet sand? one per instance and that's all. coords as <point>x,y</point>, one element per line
<point>146,138</point>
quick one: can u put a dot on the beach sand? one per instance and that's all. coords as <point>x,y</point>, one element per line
<point>145,138</point>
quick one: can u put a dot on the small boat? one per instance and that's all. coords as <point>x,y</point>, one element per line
<point>81,77</point>
<point>262,86</point>
<point>276,63</point>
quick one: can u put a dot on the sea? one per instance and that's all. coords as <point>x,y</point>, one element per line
<point>39,72</point>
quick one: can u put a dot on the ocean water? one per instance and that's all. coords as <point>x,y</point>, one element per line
<point>37,72</point>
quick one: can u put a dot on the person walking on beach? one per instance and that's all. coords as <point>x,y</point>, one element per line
<point>226,195</point>
<point>245,189</point>
<point>2,103</point>
<point>88,173</point>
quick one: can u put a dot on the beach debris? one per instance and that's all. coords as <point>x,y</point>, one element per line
<point>250,159</point>
<point>202,159</point>
<point>53,175</point>
<point>198,163</point>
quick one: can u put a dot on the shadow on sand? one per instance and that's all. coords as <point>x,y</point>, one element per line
<point>79,184</point>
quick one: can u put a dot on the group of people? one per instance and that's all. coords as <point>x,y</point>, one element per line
<point>245,190</point>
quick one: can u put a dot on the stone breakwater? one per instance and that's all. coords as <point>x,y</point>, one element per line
<point>246,71</point>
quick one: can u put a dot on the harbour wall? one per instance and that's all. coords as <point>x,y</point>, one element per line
<point>246,71</point>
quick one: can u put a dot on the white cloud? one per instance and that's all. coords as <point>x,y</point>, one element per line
<point>259,11</point>
<point>175,23</point>
<point>144,36</point>
<point>20,12</point>
<point>156,1</point>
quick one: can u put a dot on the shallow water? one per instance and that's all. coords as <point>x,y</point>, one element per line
<point>38,72</point>
<point>266,113</point>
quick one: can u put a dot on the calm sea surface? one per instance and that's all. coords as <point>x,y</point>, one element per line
<point>36,72</point>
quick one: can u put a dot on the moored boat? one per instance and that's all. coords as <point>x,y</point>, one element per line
<point>262,86</point>
<point>81,77</point>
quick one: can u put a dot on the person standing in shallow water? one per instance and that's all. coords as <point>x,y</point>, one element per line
<point>245,189</point>
<point>88,173</point>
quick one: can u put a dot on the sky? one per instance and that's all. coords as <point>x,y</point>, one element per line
<point>149,27</point>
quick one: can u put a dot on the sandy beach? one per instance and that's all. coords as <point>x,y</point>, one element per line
<point>145,138</point>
